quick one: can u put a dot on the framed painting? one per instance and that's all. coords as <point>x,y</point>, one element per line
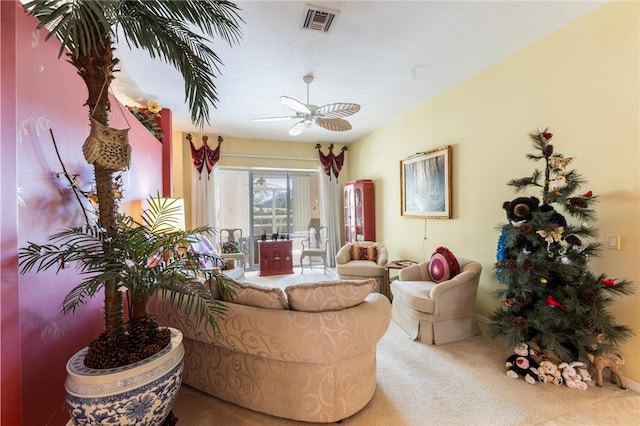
<point>425,184</point>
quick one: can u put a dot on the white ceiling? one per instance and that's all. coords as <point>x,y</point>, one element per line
<point>387,56</point>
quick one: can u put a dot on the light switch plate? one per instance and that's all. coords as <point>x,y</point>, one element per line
<point>613,242</point>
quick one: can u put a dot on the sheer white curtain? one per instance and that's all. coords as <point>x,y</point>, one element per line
<point>330,197</point>
<point>203,200</point>
<point>301,203</point>
<point>232,199</point>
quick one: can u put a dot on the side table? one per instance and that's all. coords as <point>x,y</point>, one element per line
<point>394,264</point>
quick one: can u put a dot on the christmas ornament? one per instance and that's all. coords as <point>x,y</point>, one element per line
<point>608,282</point>
<point>588,299</point>
<point>560,162</point>
<point>552,236</point>
<point>578,202</point>
<point>558,183</point>
<point>573,240</point>
<point>552,302</point>
<point>520,322</point>
<point>519,301</point>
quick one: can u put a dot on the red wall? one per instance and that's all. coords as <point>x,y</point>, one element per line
<point>47,94</point>
<point>10,368</point>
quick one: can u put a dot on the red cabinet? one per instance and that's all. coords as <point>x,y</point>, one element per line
<point>275,257</point>
<point>359,211</point>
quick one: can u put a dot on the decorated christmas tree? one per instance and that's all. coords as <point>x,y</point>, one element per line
<point>549,296</point>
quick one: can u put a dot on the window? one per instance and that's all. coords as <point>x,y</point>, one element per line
<point>266,202</point>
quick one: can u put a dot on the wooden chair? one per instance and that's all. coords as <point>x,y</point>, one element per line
<point>315,245</point>
<point>232,237</point>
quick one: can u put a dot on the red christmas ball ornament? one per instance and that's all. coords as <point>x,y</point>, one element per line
<point>588,194</point>
<point>547,135</point>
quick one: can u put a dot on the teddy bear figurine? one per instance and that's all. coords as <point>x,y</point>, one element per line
<point>520,210</point>
<point>571,376</point>
<point>521,363</point>
<point>549,373</point>
<point>585,375</point>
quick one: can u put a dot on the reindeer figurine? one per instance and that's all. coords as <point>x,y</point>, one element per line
<point>597,363</point>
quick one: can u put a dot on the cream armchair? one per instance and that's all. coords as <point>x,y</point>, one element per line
<point>436,313</point>
<point>352,266</point>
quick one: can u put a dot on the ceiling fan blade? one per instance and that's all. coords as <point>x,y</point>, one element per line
<point>294,105</point>
<point>337,110</point>
<point>287,117</point>
<point>334,124</point>
<point>300,127</point>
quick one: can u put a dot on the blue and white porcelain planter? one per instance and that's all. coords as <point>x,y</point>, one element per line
<point>140,394</point>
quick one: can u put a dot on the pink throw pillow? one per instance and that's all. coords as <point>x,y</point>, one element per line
<point>443,265</point>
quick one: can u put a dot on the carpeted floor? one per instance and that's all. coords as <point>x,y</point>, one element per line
<point>462,383</point>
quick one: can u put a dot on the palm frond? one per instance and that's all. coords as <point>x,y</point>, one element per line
<point>78,24</point>
<point>196,296</point>
<point>161,28</point>
<point>218,17</point>
<point>175,44</point>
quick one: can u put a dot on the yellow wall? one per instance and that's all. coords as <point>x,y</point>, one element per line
<point>583,83</point>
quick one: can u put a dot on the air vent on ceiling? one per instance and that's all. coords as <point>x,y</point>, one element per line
<point>318,19</point>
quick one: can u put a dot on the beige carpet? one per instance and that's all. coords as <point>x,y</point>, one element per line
<point>316,274</point>
<point>462,383</point>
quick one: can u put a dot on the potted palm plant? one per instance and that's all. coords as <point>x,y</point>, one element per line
<point>143,258</point>
<point>174,31</point>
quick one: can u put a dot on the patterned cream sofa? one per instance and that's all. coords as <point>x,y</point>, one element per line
<point>306,353</point>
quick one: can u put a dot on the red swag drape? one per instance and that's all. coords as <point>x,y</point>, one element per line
<point>331,163</point>
<point>204,155</point>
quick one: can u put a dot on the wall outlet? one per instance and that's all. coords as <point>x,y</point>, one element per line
<point>613,242</point>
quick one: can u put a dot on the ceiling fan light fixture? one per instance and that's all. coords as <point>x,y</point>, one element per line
<point>328,116</point>
<point>300,127</point>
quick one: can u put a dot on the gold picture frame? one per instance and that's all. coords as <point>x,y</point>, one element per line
<point>425,184</point>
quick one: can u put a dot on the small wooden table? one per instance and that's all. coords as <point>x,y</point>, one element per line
<point>394,264</point>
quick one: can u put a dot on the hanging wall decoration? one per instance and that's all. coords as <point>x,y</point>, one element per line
<point>204,155</point>
<point>331,163</point>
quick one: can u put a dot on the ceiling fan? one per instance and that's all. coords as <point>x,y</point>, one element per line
<point>327,116</point>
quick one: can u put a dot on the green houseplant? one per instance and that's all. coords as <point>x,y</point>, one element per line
<point>142,258</point>
<point>169,30</point>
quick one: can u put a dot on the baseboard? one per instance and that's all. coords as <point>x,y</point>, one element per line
<point>484,322</point>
